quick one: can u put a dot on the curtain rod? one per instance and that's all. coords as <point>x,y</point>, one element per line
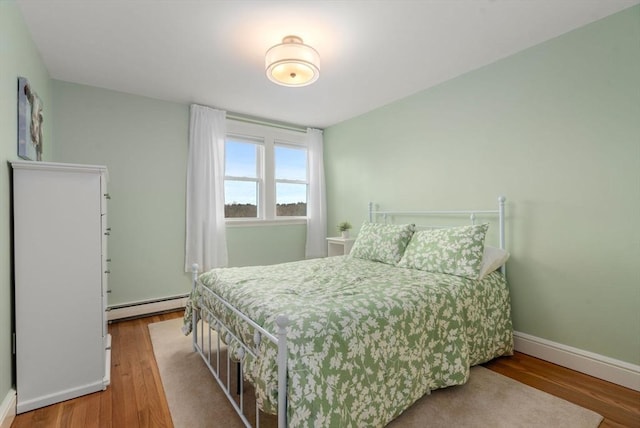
<point>255,121</point>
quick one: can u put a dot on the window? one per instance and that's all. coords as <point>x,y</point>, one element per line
<point>291,180</point>
<point>265,173</point>
<point>242,179</point>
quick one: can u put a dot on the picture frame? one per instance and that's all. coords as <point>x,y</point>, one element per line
<point>30,118</point>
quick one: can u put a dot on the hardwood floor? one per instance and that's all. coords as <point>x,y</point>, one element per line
<point>136,398</point>
<point>619,406</point>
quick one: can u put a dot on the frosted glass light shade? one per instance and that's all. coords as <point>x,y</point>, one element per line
<point>292,63</point>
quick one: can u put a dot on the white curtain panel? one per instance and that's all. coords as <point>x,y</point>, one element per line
<point>206,241</point>
<point>316,199</point>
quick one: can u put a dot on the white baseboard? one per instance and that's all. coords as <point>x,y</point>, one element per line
<point>137,309</point>
<point>36,402</point>
<point>8,409</point>
<point>605,368</point>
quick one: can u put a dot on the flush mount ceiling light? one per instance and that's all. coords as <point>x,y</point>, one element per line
<point>292,63</point>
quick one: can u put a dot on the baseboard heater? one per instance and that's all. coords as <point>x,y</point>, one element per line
<point>146,307</point>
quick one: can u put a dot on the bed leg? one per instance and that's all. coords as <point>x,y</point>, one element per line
<point>282,321</point>
<point>194,311</point>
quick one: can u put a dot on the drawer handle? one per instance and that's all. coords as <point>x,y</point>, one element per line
<point>107,271</point>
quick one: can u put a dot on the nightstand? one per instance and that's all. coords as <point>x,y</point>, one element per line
<point>337,246</point>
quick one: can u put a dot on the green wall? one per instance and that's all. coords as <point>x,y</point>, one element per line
<point>265,245</point>
<point>18,57</point>
<point>555,128</point>
<point>144,144</point>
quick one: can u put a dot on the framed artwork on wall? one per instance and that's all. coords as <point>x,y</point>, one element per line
<point>29,121</point>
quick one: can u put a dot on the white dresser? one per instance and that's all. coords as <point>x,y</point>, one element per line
<point>61,268</point>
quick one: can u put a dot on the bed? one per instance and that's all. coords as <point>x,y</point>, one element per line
<point>355,340</point>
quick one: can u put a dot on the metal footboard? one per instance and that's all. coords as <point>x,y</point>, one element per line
<point>202,344</point>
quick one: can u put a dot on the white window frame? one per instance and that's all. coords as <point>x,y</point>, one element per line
<point>269,137</point>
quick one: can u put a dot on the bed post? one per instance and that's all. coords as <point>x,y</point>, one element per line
<point>282,322</point>
<point>370,212</point>
<point>501,201</point>
<point>194,312</point>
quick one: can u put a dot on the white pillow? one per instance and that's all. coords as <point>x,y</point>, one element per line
<point>492,259</point>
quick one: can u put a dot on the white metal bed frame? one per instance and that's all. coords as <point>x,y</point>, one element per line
<point>282,321</point>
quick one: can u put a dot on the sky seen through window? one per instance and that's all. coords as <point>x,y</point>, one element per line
<point>241,161</point>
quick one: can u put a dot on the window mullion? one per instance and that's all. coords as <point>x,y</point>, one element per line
<point>232,178</point>
<point>269,178</point>
<point>286,180</point>
<point>260,166</point>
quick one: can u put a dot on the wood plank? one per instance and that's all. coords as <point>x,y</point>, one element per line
<point>92,413</point>
<point>105,414</point>
<point>129,355</point>
<point>136,397</point>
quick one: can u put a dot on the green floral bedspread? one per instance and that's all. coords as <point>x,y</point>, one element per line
<point>366,339</point>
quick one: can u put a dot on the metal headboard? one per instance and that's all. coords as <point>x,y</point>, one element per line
<point>373,213</point>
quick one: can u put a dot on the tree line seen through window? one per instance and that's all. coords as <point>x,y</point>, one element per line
<point>250,164</point>
<point>251,210</point>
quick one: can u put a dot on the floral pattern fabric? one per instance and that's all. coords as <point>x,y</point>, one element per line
<point>456,251</point>
<point>366,339</point>
<point>382,242</point>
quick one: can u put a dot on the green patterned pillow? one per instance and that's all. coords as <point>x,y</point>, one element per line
<point>382,242</point>
<point>456,251</point>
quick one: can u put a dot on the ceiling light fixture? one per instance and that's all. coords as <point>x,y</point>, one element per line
<point>292,63</point>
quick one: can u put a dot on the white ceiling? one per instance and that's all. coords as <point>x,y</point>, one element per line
<point>212,52</point>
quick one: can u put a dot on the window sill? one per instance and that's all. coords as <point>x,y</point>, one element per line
<point>256,222</point>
